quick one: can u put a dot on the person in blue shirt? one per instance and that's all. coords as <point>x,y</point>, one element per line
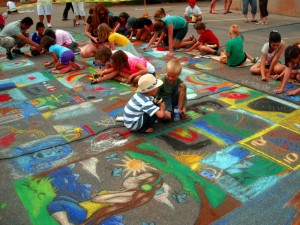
<point>37,36</point>
<point>63,58</point>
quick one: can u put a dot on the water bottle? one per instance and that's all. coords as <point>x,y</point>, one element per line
<point>176,113</point>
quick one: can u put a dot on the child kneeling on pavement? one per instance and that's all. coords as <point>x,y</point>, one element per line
<point>141,111</point>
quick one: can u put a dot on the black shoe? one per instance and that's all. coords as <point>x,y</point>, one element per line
<point>64,19</point>
<point>73,46</point>
<point>18,52</point>
<point>9,56</point>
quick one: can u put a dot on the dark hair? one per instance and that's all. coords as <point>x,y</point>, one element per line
<point>159,25</point>
<point>47,41</point>
<point>199,26</point>
<point>120,60</point>
<point>91,10</point>
<point>39,24</point>
<point>274,37</point>
<point>124,15</point>
<point>27,20</point>
<point>291,52</point>
<point>115,19</point>
<point>50,33</point>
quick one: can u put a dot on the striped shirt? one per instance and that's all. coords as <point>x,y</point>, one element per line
<point>136,107</point>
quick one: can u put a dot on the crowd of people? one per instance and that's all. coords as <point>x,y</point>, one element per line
<point>111,47</point>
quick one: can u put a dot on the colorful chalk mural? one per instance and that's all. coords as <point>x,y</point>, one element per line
<point>72,163</point>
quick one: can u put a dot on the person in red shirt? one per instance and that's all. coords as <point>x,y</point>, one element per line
<point>207,42</point>
<point>2,21</point>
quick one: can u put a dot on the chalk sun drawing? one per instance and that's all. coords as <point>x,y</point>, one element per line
<point>134,166</point>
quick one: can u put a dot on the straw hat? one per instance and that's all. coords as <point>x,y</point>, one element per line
<point>148,83</point>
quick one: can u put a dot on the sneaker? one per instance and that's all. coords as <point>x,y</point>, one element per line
<point>120,119</point>
<point>18,52</point>
<point>255,59</point>
<point>9,56</point>
<point>49,25</point>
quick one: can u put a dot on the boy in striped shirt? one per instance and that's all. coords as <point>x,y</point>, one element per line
<point>141,111</point>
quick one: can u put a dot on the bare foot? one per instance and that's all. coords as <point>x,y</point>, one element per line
<point>66,69</point>
<point>149,130</point>
<point>74,65</point>
<point>293,92</point>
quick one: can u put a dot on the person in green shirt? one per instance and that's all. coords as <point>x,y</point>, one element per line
<point>234,49</point>
<point>173,90</point>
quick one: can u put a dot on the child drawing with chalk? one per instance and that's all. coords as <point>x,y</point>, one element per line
<point>63,58</point>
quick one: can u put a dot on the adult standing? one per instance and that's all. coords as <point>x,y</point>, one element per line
<point>100,15</point>
<point>78,11</point>
<point>14,35</point>
<point>263,8</point>
<point>227,6</point>
<point>44,8</point>
<point>66,10</point>
<point>253,4</point>
<point>212,7</point>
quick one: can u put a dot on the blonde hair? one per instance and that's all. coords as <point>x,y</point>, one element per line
<point>103,32</point>
<point>174,66</point>
<point>235,30</point>
<point>160,13</point>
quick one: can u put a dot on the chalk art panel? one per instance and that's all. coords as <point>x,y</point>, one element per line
<point>292,122</point>
<point>102,90</point>
<point>15,64</point>
<point>30,78</point>
<point>269,107</point>
<point>219,125</point>
<point>56,101</point>
<point>42,89</point>
<point>241,172</point>
<point>16,111</point>
<point>11,95</point>
<point>238,95</point>
<point>277,143</point>
<point>72,80</point>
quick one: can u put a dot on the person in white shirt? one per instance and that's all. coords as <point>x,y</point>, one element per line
<point>12,8</point>
<point>192,12</point>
